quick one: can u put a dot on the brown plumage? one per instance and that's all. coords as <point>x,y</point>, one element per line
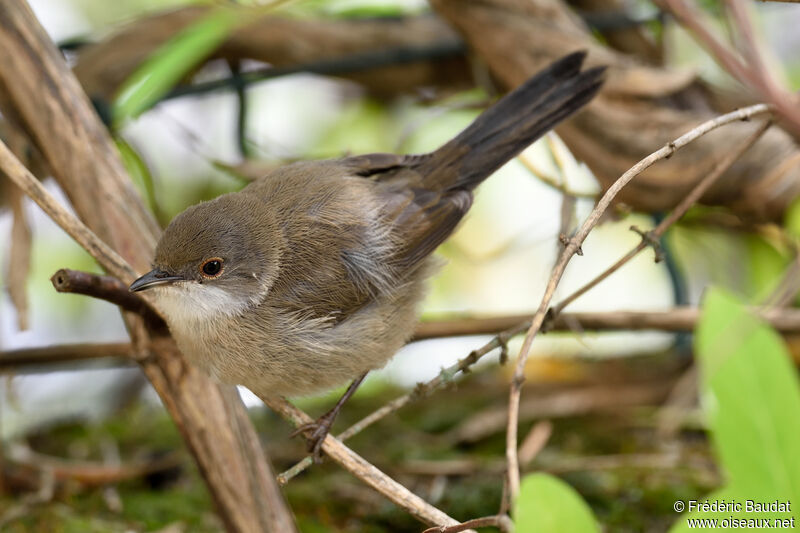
<point>322,264</point>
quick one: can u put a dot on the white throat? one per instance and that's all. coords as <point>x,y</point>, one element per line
<point>191,302</point>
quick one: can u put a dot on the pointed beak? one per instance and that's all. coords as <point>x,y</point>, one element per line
<point>153,278</point>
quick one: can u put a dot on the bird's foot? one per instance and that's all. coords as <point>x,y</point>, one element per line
<point>315,433</point>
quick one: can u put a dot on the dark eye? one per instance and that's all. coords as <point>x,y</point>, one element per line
<point>212,267</point>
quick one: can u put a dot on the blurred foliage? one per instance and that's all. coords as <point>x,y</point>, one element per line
<point>172,62</point>
<point>328,499</point>
<point>751,395</point>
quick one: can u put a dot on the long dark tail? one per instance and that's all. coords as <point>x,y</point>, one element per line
<point>512,124</point>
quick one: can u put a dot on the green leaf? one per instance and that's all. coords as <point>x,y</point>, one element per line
<point>791,219</point>
<point>752,397</point>
<point>767,265</point>
<point>546,504</point>
<point>171,62</point>
<point>138,171</point>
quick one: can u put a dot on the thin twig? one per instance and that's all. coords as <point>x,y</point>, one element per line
<point>108,258</point>
<point>676,319</point>
<point>651,238</point>
<point>571,248</point>
<point>421,390</point>
<point>535,441</point>
<point>363,470</point>
<point>501,522</point>
<point>549,180</point>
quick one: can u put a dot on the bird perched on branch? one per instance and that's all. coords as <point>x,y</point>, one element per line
<point>311,276</point>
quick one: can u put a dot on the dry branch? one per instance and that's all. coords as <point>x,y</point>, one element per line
<point>501,522</point>
<point>516,38</point>
<point>651,238</point>
<point>109,289</point>
<point>58,116</point>
<point>572,247</point>
<point>13,360</point>
<point>108,258</point>
<point>307,44</point>
<point>748,66</point>
<point>678,319</point>
<point>87,473</point>
<point>363,470</point>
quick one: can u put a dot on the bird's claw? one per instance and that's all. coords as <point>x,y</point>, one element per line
<point>315,433</point>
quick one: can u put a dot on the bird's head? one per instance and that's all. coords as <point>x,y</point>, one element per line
<point>216,258</point>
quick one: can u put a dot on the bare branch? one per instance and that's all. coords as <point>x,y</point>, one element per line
<point>363,470</point>
<point>42,92</point>
<point>109,289</point>
<point>108,258</point>
<point>652,237</point>
<point>501,522</point>
<point>45,355</point>
<point>753,72</point>
<point>572,247</point>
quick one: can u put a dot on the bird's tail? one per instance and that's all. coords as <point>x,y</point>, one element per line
<point>512,124</point>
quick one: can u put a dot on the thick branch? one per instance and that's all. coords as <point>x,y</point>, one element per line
<point>50,103</point>
<point>388,56</point>
<point>109,289</point>
<point>516,38</point>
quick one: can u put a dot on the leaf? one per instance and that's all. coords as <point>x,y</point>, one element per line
<point>766,266</point>
<point>171,62</point>
<point>791,218</point>
<point>752,396</point>
<point>139,173</point>
<point>546,504</point>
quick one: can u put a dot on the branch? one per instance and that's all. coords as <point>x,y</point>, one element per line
<point>363,470</point>
<point>753,73</point>
<point>46,355</point>
<point>388,56</point>
<point>652,238</point>
<point>109,289</point>
<point>42,92</point>
<point>677,319</point>
<point>572,247</point>
<point>501,522</point>
<point>108,258</point>
<point>516,38</point>
<point>87,473</point>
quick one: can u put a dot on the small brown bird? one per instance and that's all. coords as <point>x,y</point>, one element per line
<point>311,276</point>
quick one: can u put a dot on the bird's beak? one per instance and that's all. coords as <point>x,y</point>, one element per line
<point>153,278</point>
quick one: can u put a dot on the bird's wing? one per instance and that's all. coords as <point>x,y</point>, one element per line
<point>355,229</point>
<point>421,217</point>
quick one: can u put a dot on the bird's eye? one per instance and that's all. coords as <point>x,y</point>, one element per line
<point>212,267</point>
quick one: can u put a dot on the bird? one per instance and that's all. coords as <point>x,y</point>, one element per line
<point>312,275</point>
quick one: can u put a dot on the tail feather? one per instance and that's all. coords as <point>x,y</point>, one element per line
<point>512,124</point>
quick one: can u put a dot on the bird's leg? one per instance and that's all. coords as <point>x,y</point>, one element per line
<point>316,431</point>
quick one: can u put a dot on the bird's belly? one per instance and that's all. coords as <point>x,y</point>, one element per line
<point>301,359</point>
